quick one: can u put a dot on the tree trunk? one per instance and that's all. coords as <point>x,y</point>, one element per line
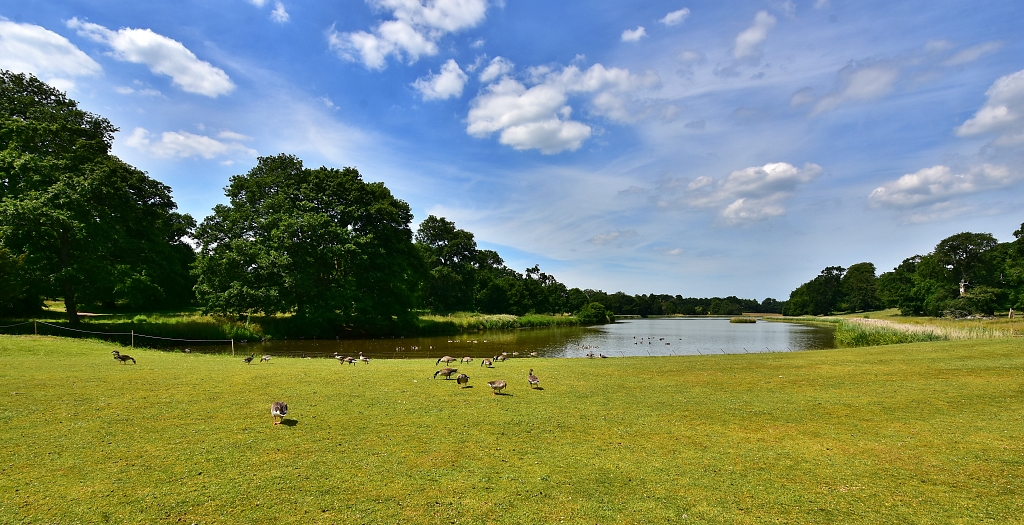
<point>69,303</point>
<point>69,290</point>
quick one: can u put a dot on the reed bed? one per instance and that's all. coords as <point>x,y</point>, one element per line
<point>460,323</point>
<point>867,331</point>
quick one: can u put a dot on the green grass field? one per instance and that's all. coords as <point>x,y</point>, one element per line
<point>920,433</point>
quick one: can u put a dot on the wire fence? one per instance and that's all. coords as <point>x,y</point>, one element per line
<point>124,338</point>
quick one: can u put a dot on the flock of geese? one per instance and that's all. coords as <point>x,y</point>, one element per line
<point>496,386</point>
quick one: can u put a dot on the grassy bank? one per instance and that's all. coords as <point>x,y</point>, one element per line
<point>888,327</point>
<point>923,433</point>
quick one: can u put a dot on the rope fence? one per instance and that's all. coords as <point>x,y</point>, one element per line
<point>105,335</point>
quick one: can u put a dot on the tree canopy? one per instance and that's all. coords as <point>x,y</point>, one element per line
<point>321,244</point>
<point>85,225</point>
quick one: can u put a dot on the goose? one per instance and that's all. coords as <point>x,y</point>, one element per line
<point>496,386</point>
<point>532,379</point>
<point>462,379</point>
<point>278,409</point>
<point>486,362</point>
<point>500,357</point>
<point>603,356</point>
<point>533,354</point>
<point>467,359</point>
<point>447,359</point>
<point>187,351</point>
<point>248,360</point>
<point>265,358</point>
<point>123,358</point>
<point>446,372</point>
<point>364,358</point>
<point>515,354</point>
<point>349,360</point>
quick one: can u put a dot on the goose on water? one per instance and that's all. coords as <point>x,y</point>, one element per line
<point>278,409</point>
<point>497,386</point>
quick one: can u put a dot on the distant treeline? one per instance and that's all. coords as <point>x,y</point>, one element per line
<point>966,274</point>
<point>331,252</point>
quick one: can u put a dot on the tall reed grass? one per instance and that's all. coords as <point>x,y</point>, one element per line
<point>855,332</point>
<point>461,322</point>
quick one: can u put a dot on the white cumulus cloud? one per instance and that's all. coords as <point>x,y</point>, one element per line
<point>162,55</point>
<point>938,185</point>
<point>446,84</point>
<point>498,67</point>
<point>1002,113</point>
<point>28,48</point>
<point>747,195</point>
<point>412,33</point>
<point>675,17</point>
<point>634,35</point>
<point>279,14</point>
<point>748,43</point>
<point>182,144</point>
<point>539,117</point>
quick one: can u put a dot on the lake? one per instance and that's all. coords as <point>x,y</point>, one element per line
<point>631,337</point>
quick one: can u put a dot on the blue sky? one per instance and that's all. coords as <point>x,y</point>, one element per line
<point>694,148</point>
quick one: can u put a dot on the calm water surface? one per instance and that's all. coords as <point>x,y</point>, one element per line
<point>632,337</point>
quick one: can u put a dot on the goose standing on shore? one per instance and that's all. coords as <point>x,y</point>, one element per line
<point>248,360</point>
<point>462,380</point>
<point>467,359</point>
<point>123,358</point>
<point>447,359</point>
<point>497,386</point>
<point>278,409</point>
<point>265,358</point>
<point>487,363</point>
<point>532,379</point>
<point>446,372</point>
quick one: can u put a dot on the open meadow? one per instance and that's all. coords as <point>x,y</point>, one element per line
<point>916,433</point>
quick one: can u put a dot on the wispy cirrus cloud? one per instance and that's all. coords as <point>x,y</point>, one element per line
<point>162,55</point>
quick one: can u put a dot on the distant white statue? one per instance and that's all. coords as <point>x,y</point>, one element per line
<point>1011,313</point>
<point>963,287</point>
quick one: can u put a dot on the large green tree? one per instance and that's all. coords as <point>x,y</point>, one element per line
<point>321,244</point>
<point>450,256</point>
<point>91,228</point>
<point>859,288</point>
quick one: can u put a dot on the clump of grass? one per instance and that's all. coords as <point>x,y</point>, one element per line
<point>742,320</point>
<point>853,334</point>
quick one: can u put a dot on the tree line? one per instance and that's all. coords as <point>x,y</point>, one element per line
<point>966,274</point>
<point>320,245</point>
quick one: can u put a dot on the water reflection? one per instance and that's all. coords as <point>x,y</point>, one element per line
<point>634,337</point>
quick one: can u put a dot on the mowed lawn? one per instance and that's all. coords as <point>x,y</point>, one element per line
<point>922,433</point>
